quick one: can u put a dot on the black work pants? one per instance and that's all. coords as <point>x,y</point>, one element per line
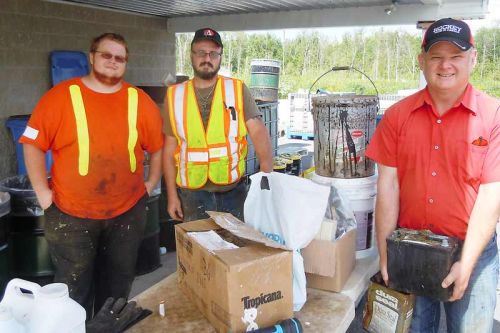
<point>95,258</point>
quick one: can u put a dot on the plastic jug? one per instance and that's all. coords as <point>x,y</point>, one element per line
<point>55,311</point>
<point>8,323</point>
<point>46,309</point>
<point>20,303</point>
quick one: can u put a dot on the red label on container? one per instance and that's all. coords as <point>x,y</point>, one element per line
<point>357,134</point>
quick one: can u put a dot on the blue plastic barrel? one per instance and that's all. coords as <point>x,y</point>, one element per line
<point>65,65</point>
<point>17,125</point>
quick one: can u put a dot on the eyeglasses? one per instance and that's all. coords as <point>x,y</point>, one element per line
<point>109,56</point>
<point>214,55</point>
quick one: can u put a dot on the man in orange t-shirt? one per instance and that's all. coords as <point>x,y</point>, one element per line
<point>438,155</point>
<point>98,128</point>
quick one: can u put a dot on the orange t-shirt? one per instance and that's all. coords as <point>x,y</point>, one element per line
<point>440,160</point>
<point>110,188</point>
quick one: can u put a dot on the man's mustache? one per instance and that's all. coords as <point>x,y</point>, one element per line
<point>207,63</point>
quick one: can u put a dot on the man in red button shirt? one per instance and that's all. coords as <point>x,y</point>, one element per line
<point>438,155</point>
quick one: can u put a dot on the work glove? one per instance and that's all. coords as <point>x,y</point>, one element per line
<point>114,317</point>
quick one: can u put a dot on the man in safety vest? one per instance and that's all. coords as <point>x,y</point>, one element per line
<point>97,127</point>
<point>206,123</point>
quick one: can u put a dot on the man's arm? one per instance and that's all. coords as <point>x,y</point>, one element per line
<point>261,142</point>
<point>386,211</point>
<point>154,171</point>
<point>482,225</point>
<point>174,207</point>
<point>34,159</point>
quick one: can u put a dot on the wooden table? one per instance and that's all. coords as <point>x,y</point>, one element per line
<point>323,312</point>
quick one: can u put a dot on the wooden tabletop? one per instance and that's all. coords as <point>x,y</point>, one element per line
<point>323,312</point>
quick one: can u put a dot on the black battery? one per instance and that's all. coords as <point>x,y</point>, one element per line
<point>419,260</point>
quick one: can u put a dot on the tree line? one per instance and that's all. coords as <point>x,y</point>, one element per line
<point>387,57</point>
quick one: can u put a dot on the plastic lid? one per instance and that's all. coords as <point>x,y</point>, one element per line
<point>54,290</point>
<point>5,313</point>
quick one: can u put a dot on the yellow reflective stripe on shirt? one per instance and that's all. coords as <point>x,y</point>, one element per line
<point>132,127</point>
<point>82,129</point>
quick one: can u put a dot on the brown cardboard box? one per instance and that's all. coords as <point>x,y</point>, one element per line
<point>328,264</point>
<point>236,289</point>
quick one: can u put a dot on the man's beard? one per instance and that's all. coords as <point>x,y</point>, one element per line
<point>106,79</point>
<point>206,75</point>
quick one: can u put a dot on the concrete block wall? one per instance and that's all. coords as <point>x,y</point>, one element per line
<point>31,29</point>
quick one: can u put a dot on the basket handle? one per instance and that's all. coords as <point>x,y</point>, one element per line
<point>341,68</point>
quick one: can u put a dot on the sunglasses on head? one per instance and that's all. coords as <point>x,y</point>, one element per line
<point>109,56</point>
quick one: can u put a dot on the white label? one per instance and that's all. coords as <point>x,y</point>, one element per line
<point>30,133</point>
<point>384,319</point>
<point>364,222</point>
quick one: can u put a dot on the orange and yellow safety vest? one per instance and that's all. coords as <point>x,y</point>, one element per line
<point>217,152</point>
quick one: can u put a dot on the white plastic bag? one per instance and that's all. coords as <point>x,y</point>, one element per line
<point>289,210</point>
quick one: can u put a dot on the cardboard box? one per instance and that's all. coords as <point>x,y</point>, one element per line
<point>236,289</point>
<point>329,264</point>
<point>387,310</point>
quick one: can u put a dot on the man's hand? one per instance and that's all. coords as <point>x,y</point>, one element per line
<point>149,187</point>
<point>383,271</point>
<point>44,198</point>
<point>174,207</point>
<point>460,277</point>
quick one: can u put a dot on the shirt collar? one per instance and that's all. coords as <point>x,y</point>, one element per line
<point>468,101</point>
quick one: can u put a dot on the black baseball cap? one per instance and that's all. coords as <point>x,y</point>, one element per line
<point>450,30</point>
<point>207,34</point>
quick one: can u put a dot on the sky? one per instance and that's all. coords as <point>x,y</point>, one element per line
<point>491,19</point>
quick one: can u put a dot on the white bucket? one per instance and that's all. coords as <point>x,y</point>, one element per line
<point>361,193</point>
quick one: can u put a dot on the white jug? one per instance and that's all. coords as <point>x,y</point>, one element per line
<point>8,323</point>
<point>20,303</point>
<point>55,311</point>
<point>48,309</point>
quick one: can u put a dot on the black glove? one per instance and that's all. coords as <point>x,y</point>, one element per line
<point>113,317</point>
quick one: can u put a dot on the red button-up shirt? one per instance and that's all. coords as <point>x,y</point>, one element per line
<point>440,160</point>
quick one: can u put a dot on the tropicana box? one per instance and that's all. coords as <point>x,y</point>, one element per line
<point>238,278</point>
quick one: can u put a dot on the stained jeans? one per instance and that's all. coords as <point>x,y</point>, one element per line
<point>95,258</point>
<point>195,203</point>
<point>474,312</point>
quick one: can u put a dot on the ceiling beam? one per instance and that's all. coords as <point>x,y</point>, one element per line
<point>339,17</point>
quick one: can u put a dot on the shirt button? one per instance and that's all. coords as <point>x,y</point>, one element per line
<point>439,121</point>
<point>434,173</point>
<point>431,200</point>
<point>436,147</point>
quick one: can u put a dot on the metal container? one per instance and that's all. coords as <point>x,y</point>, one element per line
<point>418,261</point>
<point>264,79</point>
<point>343,126</point>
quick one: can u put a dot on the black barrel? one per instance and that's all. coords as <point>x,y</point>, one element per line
<point>29,252</point>
<point>167,224</point>
<point>4,246</point>
<point>148,258</point>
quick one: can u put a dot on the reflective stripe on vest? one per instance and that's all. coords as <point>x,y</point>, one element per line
<point>82,129</point>
<point>217,153</point>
